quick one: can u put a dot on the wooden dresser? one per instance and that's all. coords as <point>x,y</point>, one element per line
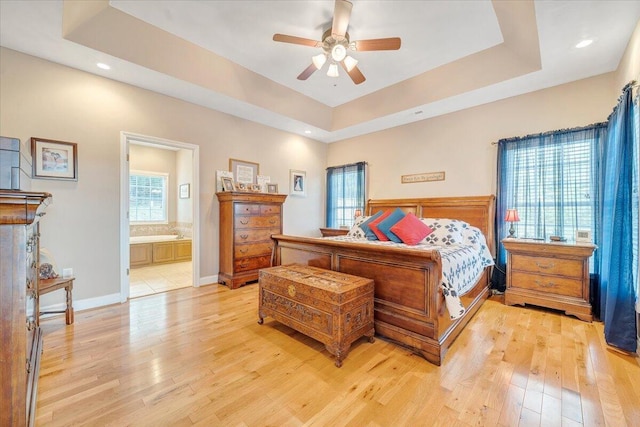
<point>549,274</point>
<point>21,336</point>
<point>247,221</point>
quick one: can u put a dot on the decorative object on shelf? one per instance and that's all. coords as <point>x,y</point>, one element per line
<point>298,183</point>
<point>185,191</point>
<point>219,176</point>
<point>583,236</point>
<point>54,159</point>
<point>241,186</point>
<point>272,188</point>
<point>512,216</point>
<point>227,184</point>
<point>243,171</point>
<point>422,177</point>
<point>262,181</point>
<point>255,188</point>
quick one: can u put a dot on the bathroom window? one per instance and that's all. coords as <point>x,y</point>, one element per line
<point>148,197</point>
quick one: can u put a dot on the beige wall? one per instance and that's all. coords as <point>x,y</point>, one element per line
<point>629,68</point>
<point>460,143</point>
<point>81,228</point>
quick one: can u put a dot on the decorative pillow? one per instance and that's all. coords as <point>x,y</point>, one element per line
<point>446,232</point>
<point>356,231</point>
<point>385,225</point>
<point>365,226</point>
<point>411,230</point>
<point>373,225</point>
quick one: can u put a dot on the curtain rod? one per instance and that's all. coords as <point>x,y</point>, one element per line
<point>348,164</point>
<point>516,138</point>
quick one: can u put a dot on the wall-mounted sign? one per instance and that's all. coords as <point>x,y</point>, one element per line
<point>422,177</point>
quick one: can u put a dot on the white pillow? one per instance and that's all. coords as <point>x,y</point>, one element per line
<point>356,231</point>
<point>446,232</point>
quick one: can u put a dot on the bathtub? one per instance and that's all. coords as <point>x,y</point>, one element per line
<point>160,249</point>
<point>151,239</point>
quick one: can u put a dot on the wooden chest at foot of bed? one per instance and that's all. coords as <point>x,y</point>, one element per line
<point>333,308</point>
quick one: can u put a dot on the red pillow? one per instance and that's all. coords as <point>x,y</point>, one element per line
<point>411,230</point>
<point>373,225</point>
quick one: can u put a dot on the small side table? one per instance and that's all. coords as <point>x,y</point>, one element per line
<point>330,232</point>
<point>49,285</point>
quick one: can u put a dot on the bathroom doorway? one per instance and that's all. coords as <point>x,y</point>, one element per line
<point>159,215</point>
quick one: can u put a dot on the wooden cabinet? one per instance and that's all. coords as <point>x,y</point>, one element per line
<point>553,275</point>
<point>162,252</point>
<point>19,330</point>
<point>140,254</point>
<point>247,221</point>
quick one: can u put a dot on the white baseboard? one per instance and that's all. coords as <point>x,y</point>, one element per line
<point>208,280</point>
<point>84,304</point>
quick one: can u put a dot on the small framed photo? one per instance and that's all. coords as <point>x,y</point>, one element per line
<point>227,184</point>
<point>272,188</point>
<point>241,186</point>
<point>185,190</point>
<point>583,236</point>
<point>255,188</point>
<point>298,183</point>
<point>54,159</point>
<point>243,171</point>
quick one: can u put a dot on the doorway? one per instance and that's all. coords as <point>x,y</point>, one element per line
<point>170,228</point>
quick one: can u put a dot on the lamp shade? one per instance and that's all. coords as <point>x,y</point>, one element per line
<point>358,213</point>
<point>333,70</point>
<point>512,215</point>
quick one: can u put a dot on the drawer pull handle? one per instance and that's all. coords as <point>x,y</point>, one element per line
<point>545,285</point>
<point>29,284</point>
<point>244,251</point>
<point>244,265</point>
<point>244,221</point>
<point>272,221</point>
<point>244,236</point>
<point>545,266</point>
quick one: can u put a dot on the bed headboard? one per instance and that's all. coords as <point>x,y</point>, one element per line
<point>478,211</point>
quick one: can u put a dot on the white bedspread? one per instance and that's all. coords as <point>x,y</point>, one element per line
<point>462,264</point>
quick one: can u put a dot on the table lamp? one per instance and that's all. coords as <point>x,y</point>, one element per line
<point>512,216</point>
<point>358,213</point>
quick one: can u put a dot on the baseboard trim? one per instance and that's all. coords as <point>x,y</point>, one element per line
<point>208,280</point>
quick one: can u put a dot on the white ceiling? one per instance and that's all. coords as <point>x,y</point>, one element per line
<point>434,33</point>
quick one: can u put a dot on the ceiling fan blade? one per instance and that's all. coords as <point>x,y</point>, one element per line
<point>341,15</point>
<point>307,72</point>
<point>296,40</point>
<point>392,43</point>
<point>355,73</point>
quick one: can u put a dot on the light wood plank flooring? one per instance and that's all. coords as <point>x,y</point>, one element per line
<point>197,356</point>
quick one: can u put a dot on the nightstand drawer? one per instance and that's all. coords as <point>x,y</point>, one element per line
<point>548,265</point>
<point>547,284</point>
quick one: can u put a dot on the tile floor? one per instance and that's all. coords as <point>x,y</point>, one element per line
<point>159,278</point>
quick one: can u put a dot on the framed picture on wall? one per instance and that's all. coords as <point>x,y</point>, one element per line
<point>185,191</point>
<point>243,171</point>
<point>298,183</point>
<point>54,159</point>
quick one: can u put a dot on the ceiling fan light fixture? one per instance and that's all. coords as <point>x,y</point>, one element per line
<point>350,62</point>
<point>338,52</point>
<point>319,60</point>
<point>333,70</point>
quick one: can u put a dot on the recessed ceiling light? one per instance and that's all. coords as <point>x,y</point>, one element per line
<point>307,131</point>
<point>103,66</point>
<point>584,43</point>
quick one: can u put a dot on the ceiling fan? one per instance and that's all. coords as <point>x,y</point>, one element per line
<point>335,43</point>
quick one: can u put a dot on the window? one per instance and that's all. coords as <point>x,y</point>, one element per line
<point>552,179</point>
<point>147,197</point>
<point>346,193</point>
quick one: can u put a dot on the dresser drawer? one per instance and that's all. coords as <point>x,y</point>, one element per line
<point>269,209</point>
<point>250,250</point>
<point>547,265</point>
<point>257,221</point>
<point>246,209</point>
<point>246,264</point>
<point>547,284</point>
<point>257,235</point>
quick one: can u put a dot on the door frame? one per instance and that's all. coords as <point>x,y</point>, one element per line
<point>125,141</point>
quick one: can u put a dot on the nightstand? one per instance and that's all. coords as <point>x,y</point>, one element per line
<point>549,274</point>
<point>330,232</point>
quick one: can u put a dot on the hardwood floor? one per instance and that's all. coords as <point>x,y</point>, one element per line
<point>197,356</point>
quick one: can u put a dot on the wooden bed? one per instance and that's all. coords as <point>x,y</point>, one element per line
<point>409,305</point>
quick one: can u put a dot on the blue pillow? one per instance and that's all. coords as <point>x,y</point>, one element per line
<point>368,233</point>
<point>386,224</point>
